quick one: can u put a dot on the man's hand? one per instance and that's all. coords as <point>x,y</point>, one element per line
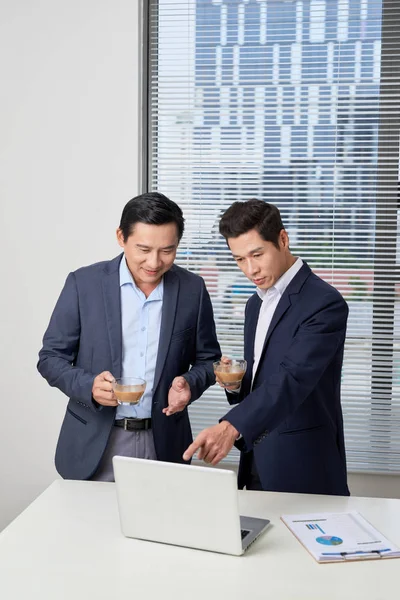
<point>213,443</point>
<point>178,396</point>
<point>102,390</point>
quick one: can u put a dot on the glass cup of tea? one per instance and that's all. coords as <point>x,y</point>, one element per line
<point>230,374</point>
<point>128,390</point>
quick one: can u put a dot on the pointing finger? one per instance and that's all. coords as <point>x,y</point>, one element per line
<point>192,449</point>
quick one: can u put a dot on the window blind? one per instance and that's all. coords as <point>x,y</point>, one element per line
<point>296,103</point>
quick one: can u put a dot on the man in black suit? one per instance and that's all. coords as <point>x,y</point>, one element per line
<point>287,421</point>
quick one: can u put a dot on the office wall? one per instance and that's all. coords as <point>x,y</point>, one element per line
<point>69,161</point>
<point>360,484</point>
<point>379,486</point>
<point>69,153</point>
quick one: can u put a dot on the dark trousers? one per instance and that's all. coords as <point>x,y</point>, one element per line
<point>253,480</point>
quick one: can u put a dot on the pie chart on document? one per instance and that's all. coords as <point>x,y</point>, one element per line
<point>329,540</point>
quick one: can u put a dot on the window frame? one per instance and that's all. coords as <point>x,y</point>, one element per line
<point>386,201</point>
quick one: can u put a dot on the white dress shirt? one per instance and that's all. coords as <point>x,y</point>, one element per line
<point>270,299</point>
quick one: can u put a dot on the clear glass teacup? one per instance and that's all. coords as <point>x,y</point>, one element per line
<point>229,373</point>
<point>129,390</point>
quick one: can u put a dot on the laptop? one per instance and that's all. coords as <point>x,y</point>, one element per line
<point>183,505</point>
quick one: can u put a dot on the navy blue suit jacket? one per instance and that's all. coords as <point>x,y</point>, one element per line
<point>292,418</point>
<point>84,338</point>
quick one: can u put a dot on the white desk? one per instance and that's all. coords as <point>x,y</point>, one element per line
<point>67,545</point>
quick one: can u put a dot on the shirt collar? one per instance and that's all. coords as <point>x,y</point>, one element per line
<point>125,277</point>
<point>124,273</point>
<point>283,281</point>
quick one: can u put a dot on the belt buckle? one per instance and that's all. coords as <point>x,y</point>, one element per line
<point>125,424</point>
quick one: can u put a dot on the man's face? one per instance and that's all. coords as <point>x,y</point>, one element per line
<point>150,251</point>
<point>261,261</point>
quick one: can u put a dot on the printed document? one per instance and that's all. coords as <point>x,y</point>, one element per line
<point>338,537</point>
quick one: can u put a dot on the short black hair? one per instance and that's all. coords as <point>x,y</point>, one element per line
<point>242,217</point>
<point>151,208</point>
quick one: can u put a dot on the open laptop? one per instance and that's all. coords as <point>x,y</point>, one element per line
<point>183,505</point>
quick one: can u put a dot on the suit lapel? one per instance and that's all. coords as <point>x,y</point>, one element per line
<point>288,297</point>
<point>280,310</point>
<point>170,298</point>
<point>253,310</point>
<point>284,304</point>
<point>112,304</point>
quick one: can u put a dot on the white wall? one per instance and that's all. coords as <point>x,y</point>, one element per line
<point>69,162</point>
<point>69,153</point>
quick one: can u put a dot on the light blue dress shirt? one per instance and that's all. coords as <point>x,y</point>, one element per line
<point>141,323</point>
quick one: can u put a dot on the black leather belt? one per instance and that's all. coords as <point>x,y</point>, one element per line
<point>133,424</point>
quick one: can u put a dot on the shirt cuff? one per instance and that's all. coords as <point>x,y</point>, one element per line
<point>237,391</point>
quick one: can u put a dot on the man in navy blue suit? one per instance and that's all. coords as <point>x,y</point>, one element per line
<point>288,420</point>
<point>136,315</point>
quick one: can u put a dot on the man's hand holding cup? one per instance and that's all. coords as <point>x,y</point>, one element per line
<point>229,373</point>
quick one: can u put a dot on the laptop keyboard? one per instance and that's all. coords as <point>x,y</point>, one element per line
<point>244,532</point>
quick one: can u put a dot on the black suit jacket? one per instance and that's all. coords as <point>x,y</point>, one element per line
<point>84,338</point>
<point>291,418</point>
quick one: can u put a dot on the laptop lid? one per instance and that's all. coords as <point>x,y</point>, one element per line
<point>178,504</point>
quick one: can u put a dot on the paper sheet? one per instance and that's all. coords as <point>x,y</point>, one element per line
<point>332,537</point>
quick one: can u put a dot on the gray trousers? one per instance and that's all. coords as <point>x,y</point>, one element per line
<point>137,444</point>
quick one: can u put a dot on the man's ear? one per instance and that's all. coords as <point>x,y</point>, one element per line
<point>120,237</point>
<point>283,239</point>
